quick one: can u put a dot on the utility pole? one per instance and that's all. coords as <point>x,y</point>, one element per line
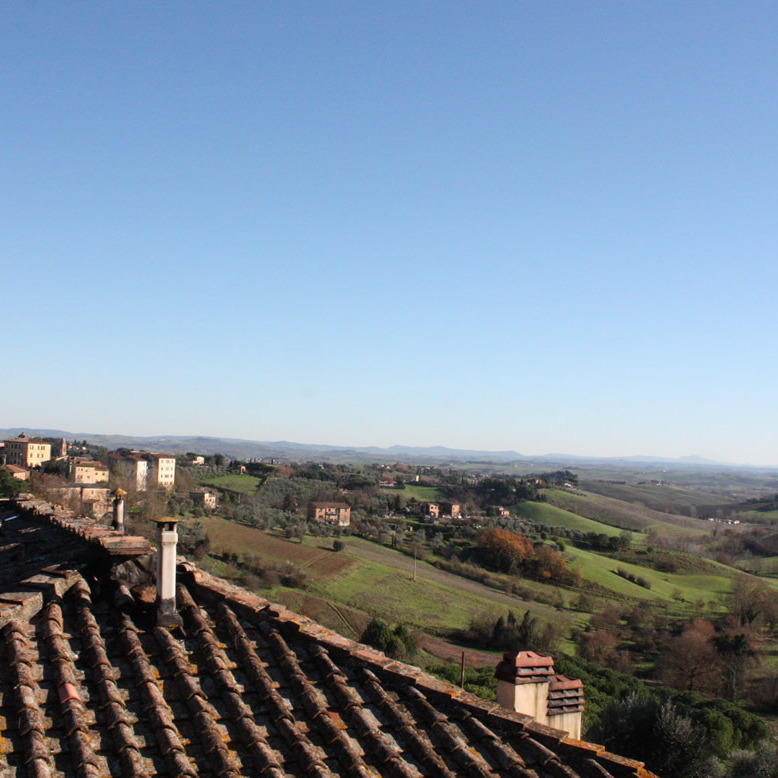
<point>462,672</point>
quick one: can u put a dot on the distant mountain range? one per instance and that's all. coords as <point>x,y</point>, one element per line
<point>430,455</point>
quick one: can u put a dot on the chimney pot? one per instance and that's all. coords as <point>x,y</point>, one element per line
<point>167,540</point>
<point>118,509</point>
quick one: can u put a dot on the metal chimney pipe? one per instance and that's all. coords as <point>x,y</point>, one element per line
<point>167,539</point>
<point>118,510</point>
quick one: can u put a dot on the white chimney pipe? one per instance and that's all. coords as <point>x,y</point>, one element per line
<point>167,539</point>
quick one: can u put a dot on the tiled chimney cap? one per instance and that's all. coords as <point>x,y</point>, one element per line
<point>527,659</point>
<point>167,520</point>
<point>563,683</point>
<point>565,695</point>
<point>525,667</point>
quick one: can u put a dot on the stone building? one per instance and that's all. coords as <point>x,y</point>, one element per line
<point>330,512</point>
<point>204,498</point>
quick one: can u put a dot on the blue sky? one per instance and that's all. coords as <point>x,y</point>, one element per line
<point>548,227</point>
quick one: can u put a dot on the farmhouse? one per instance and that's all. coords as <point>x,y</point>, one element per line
<point>122,660</point>
<point>18,472</point>
<point>204,498</point>
<point>450,510</point>
<point>331,512</point>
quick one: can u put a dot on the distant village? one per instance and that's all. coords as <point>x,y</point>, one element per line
<point>77,473</point>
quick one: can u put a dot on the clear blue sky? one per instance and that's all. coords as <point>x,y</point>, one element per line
<point>541,226</point>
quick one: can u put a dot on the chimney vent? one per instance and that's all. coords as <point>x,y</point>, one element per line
<point>118,509</point>
<point>167,539</point>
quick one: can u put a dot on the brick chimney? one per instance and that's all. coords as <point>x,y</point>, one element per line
<point>526,683</point>
<point>167,540</point>
<point>118,509</point>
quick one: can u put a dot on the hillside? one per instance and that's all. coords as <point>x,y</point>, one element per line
<point>663,497</point>
<point>552,516</point>
<point>622,514</point>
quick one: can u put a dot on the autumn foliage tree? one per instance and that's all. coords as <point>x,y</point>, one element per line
<point>510,552</point>
<point>504,550</point>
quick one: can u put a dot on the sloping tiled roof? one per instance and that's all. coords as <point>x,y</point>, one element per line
<point>89,686</point>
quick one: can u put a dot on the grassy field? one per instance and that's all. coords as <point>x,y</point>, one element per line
<point>368,579</point>
<point>244,484</point>
<point>664,586</point>
<point>316,556</point>
<point>416,492</point>
<point>383,590</point>
<point>759,516</point>
<point>660,497</point>
<point>622,514</point>
<point>552,516</point>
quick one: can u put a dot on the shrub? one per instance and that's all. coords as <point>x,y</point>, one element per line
<point>397,642</point>
<point>655,732</point>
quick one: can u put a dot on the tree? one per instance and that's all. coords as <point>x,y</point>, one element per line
<point>9,486</point>
<point>397,642</point>
<point>655,732</point>
<point>691,660</point>
<point>504,549</point>
<point>737,653</point>
<point>193,538</point>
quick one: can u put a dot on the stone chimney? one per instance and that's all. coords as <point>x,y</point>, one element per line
<point>118,509</point>
<point>167,540</point>
<point>526,683</point>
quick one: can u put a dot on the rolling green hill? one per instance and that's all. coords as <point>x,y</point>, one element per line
<point>622,514</point>
<point>657,496</point>
<point>552,516</point>
<point>601,569</point>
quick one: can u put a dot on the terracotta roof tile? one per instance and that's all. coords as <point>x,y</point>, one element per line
<point>90,686</point>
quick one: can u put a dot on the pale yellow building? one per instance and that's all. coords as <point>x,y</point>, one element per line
<point>87,472</point>
<point>145,469</point>
<point>27,452</point>
<point>163,469</point>
<point>132,469</point>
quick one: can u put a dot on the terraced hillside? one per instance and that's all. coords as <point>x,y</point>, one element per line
<point>622,514</point>
<point>663,497</point>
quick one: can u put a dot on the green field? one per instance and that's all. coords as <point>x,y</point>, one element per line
<point>372,579</point>
<point>622,514</point>
<point>416,492</point>
<point>664,586</point>
<point>661,497</point>
<point>383,590</point>
<point>759,516</point>
<point>243,484</point>
<point>552,516</point>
